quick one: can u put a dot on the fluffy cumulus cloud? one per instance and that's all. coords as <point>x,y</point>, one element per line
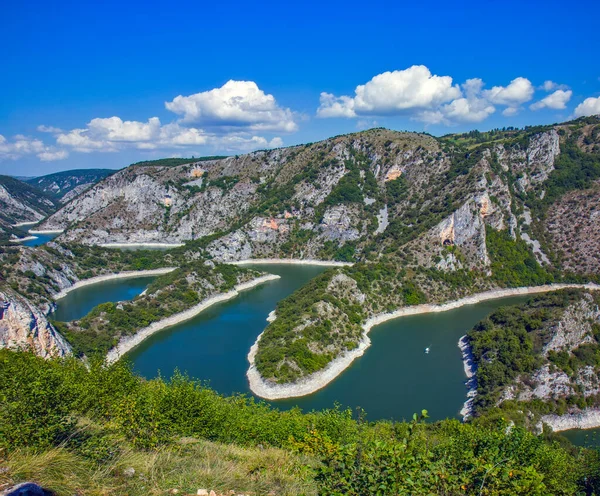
<point>20,146</point>
<point>392,93</point>
<point>236,104</point>
<point>471,107</point>
<point>229,118</point>
<point>519,91</point>
<point>421,95</point>
<point>557,100</point>
<point>590,106</point>
<point>335,106</point>
<point>113,134</point>
<point>552,86</point>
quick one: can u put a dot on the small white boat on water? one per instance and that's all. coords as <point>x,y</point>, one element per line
<point>426,350</point>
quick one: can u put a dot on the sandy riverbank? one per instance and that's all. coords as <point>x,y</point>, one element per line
<point>140,245</point>
<point>320,379</point>
<point>126,344</point>
<point>110,277</point>
<point>292,261</point>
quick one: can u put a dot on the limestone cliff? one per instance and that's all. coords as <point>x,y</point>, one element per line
<point>24,326</point>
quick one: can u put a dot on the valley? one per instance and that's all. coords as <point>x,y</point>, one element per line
<point>276,274</point>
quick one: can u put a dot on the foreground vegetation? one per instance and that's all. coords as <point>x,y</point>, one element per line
<point>78,428</point>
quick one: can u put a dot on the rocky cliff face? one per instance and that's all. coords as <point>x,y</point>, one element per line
<point>271,194</point>
<point>573,226</point>
<point>24,326</point>
<point>310,201</point>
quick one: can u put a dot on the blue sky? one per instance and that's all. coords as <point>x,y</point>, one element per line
<point>90,84</point>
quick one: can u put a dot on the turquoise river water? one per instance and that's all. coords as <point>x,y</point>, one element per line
<point>40,239</point>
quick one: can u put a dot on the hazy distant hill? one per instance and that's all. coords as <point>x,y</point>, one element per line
<point>21,202</point>
<point>66,185</point>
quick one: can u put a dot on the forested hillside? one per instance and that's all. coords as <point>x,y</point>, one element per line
<point>542,356</point>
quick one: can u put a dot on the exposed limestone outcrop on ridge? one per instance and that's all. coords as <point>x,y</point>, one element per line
<point>573,329</point>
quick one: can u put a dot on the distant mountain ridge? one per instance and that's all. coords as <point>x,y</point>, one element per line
<point>21,203</point>
<point>66,185</point>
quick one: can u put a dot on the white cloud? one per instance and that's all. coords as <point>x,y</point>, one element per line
<point>551,86</point>
<point>21,146</point>
<point>81,140</point>
<point>236,104</point>
<point>470,107</point>
<point>520,90</point>
<point>49,129</point>
<point>392,93</point>
<point>237,143</point>
<point>115,129</point>
<point>428,98</point>
<point>276,142</point>
<point>50,156</point>
<point>590,106</point>
<point>334,106</point>
<point>510,111</point>
<point>557,100</point>
<point>113,134</point>
<point>175,135</point>
<point>467,110</point>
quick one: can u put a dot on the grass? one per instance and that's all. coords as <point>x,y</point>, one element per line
<point>187,466</point>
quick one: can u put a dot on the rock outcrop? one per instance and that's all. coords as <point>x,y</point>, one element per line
<point>23,326</point>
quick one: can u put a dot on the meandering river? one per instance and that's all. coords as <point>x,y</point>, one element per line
<point>394,379</point>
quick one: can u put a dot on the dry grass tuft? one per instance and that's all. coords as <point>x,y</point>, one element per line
<point>188,466</point>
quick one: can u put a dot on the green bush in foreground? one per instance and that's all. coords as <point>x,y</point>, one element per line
<point>40,401</point>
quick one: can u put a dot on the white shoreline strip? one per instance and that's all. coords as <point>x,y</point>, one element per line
<point>292,261</point>
<point>21,240</point>
<point>318,380</point>
<point>140,245</point>
<point>29,223</point>
<point>110,277</point>
<point>45,231</point>
<point>470,371</point>
<point>126,344</point>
